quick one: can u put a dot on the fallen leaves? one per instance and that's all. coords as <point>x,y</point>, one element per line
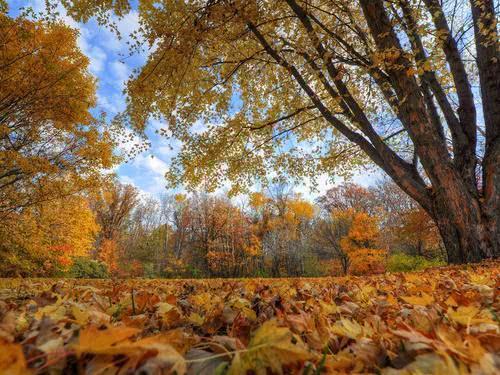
<point>12,359</point>
<point>439,321</point>
<point>271,347</point>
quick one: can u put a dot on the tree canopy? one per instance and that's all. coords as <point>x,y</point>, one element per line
<point>51,145</point>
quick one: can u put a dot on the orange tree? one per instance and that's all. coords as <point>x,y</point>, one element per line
<point>419,231</point>
<point>360,243</point>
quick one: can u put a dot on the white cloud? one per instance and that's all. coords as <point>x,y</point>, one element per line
<point>120,73</point>
<point>97,59</point>
<point>110,103</point>
<point>127,180</point>
<point>198,127</point>
<point>128,24</point>
<point>153,165</point>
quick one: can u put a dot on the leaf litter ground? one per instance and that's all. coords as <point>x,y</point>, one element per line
<point>442,320</point>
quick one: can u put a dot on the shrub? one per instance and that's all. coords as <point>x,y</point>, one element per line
<point>401,262</point>
<point>87,268</point>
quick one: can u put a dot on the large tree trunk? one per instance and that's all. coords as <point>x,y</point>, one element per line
<point>468,223</point>
<point>465,233</point>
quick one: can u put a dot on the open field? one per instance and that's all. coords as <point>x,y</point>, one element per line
<point>439,321</point>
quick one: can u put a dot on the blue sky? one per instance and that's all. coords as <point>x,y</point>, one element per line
<point>110,64</point>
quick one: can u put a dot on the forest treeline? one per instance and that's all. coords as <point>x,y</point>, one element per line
<point>116,231</point>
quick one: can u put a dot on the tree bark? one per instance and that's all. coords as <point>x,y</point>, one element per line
<point>468,225</point>
<point>465,233</point>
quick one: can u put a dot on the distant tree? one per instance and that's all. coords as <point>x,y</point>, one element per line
<point>361,243</point>
<point>328,232</point>
<point>419,231</point>
<point>349,196</point>
<point>282,221</point>
<point>113,204</point>
<point>405,226</point>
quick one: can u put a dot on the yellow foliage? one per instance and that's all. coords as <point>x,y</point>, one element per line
<point>300,209</point>
<point>56,146</point>
<point>47,236</point>
<point>257,200</point>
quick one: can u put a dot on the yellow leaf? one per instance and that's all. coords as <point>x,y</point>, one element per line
<point>481,280</point>
<point>469,348</point>
<point>424,300</point>
<point>348,328</point>
<point>450,301</point>
<point>94,340</point>
<point>116,341</point>
<point>85,315</point>
<point>430,364</point>
<point>164,307</point>
<point>22,323</point>
<point>196,319</point>
<point>55,312</point>
<point>270,348</point>
<point>391,300</point>
<point>328,308</point>
<point>469,315</point>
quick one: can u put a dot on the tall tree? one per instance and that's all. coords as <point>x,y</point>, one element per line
<point>113,204</point>
<point>393,78</point>
<point>349,196</point>
<point>50,144</point>
<point>360,243</point>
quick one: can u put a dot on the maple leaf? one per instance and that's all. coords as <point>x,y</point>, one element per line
<point>160,354</point>
<point>196,319</point>
<point>328,308</point>
<point>84,315</point>
<point>348,328</point>
<point>170,314</point>
<point>271,347</point>
<point>423,300</point>
<point>55,311</point>
<point>95,340</point>
<point>430,363</point>
<point>468,348</point>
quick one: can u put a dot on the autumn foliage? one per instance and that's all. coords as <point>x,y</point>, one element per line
<point>100,278</point>
<point>51,146</point>
<point>440,321</point>
<point>360,243</point>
